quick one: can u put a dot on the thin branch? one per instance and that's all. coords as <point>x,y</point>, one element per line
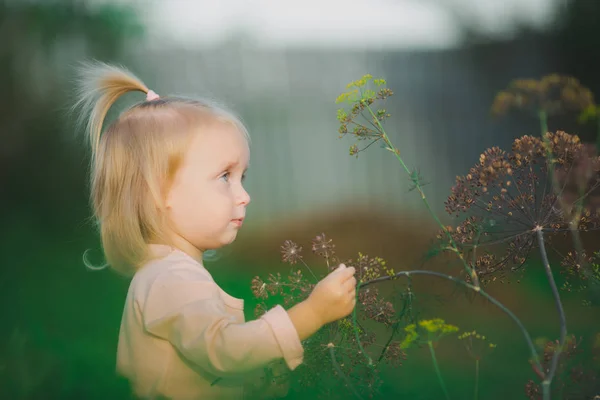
<point>534,355</point>
<point>339,371</point>
<point>561,314</point>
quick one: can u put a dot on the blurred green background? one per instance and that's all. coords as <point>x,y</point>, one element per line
<point>60,321</point>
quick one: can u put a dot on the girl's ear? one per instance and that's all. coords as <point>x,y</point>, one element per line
<point>168,196</point>
<point>167,201</point>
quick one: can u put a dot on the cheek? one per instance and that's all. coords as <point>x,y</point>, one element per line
<point>184,199</point>
<point>194,202</point>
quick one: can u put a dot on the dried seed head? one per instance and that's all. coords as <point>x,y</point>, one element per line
<point>259,288</point>
<point>291,252</point>
<point>394,355</point>
<point>527,150</point>
<point>323,246</point>
<point>564,147</point>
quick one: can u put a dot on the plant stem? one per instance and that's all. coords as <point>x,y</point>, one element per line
<point>394,329</point>
<point>437,369</point>
<point>471,271</point>
<point>534,355</point>
<point>561,314</point>
<point>339,371</point>
<point>310,270</point>
<point>355,328</point>
<point>331,349</point>
<point>476,379</point>
<point>576,235</point>
<point>543,122</point>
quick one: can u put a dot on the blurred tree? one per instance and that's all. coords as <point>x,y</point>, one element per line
<point>43,198</point>
<point>577,35</point>
<point>576,40</point>
<point>40,43</point>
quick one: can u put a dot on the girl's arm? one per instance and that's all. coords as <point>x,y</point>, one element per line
<point>305,319</point>
<point>184,307</point>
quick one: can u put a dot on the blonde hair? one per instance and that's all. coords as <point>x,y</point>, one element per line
<point>135,159</point>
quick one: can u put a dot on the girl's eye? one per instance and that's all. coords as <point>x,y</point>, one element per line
<point>225,176</point>
<point>243,177</point>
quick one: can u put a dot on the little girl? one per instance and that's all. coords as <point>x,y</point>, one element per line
<point>167,185</point>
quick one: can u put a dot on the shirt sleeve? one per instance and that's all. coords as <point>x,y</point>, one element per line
<point>185,308</point>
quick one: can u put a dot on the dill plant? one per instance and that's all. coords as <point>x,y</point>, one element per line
<point>509,204</point>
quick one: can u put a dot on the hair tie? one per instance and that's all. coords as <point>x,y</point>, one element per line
<point>151,95</point>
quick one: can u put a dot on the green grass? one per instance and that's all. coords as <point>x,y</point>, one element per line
<point>69,317</point>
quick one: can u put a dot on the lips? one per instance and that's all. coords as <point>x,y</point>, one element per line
<point>238,221</point>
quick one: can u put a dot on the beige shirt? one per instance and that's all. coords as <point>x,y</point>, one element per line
<point>180,332</point>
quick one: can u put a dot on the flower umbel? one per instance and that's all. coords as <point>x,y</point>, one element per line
<point>323,246</point>
<point>507,196</point>
<point>339,344</point>
<point>291,252</point>
<point>428,330</point>
<point>553,94</point>
<point>477,345</point>
<point>357,121</point>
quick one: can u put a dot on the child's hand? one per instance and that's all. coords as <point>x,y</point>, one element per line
<point>334,297</point>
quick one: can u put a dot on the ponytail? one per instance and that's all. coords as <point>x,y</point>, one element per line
<point>99,86</point>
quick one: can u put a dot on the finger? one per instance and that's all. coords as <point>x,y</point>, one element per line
<point>348,273</point>
<point>349,283</point>
<point>338,270</point>
<point>352,291</point>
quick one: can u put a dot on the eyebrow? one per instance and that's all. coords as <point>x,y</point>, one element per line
<point>233,164</point>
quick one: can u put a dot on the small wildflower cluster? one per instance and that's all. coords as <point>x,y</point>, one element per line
<point>361,95</point>
<point>429,330</point>
<point>374,306</point>
<point>369,268</point>
<point>477,345</point>
<point>348,338</point>
<point>507,196</point>
<point>552,93</point>
<point>288,290</point>
<point>324,248</point>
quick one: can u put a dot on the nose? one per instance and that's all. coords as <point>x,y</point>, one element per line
<point>244,198</point>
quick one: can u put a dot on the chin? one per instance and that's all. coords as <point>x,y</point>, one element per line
<point>231,239</point>
<point>226,239</point>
